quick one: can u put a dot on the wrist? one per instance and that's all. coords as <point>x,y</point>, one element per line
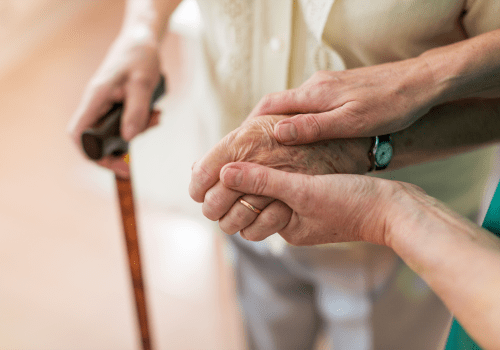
<point>443,75</point>
<point>414,218</point>
<point>401,212</point>
<point>152,14</point>
<point>418,81</point>
<point>139,33</point>
<point>351,155</point>
<point>141,23</point>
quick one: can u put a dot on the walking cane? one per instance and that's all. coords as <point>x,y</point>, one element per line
<point>102,140</point>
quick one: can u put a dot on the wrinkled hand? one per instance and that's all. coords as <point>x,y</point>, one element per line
<point>359,102</point>
<point>129,73</point>
<point>326,208</point>
<point>254,142</point>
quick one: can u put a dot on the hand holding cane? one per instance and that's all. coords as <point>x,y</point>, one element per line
<point>102,140</point>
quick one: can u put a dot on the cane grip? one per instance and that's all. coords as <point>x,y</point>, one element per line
<point>104,139</point>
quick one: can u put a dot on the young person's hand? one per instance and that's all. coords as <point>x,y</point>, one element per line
<point>325,208</point>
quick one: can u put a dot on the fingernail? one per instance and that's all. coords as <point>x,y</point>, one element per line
<point>232,177</point>
<point>287,132</point>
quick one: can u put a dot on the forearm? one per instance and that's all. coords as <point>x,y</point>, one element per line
<point>148,17</point>
<point>459,261</point>
<point>446,130</point>
<point>469,68</point>
<point>463,87</point>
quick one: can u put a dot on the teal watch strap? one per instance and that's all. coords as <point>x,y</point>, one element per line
<point>458,338</point>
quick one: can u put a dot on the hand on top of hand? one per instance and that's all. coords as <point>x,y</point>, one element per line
<point>254,142</point>
<point>129,74</point>
<point>325,208</point>
<point>360,102</point>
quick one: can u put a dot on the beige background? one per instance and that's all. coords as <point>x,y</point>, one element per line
<point>64,281</point>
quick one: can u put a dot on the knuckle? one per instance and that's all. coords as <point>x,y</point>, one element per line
<point>269,102</point>
<point>252,236</point>
<point>211,205</point>
<point>199,175</point>
<point>287,96</point>
<point>100,85</point>
<point>266,102</point>
<point>195,192</point>
<point>229,228</point>
<point>321,76</point>
<point>271,218</point>
<point>142,80</point>
<point>259,182</point>
<point>208,212</point>
<point>235,140</point>
<point>313,127</point>
<point>238,220</point>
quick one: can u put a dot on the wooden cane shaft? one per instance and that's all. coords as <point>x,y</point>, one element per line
<point>124,187</point>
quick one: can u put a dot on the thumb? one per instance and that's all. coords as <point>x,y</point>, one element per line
<point>308,128</point>
<point>256,179</point>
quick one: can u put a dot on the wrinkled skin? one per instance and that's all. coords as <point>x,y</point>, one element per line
<point>254,142</point>
<point>456,258</point>
<point>326,208</point>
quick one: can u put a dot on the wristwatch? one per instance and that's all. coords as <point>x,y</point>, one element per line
<point>381,152</point>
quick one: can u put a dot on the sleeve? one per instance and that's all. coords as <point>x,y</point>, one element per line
<point>481,16</point>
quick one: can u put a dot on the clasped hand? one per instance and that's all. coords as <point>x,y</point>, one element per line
<point>255,142</point>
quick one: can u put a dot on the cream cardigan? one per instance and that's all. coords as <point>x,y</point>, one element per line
<point>255,47</point>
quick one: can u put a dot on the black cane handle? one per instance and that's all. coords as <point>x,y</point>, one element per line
<point>104,138</point>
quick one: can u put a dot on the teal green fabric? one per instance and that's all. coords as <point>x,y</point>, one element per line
<point>458,338</point>
<point>492,220</point>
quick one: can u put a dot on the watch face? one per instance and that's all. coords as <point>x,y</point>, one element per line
<point>383,154</point>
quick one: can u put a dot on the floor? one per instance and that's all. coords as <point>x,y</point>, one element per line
<point>64,280</point>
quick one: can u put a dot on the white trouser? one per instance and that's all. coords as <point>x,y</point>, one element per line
<point>361,298</point>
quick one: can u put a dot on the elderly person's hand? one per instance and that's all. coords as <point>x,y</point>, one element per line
<point>254,142</point>
<point>129,73</point>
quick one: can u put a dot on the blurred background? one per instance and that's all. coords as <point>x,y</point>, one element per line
<point>64,280</point>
